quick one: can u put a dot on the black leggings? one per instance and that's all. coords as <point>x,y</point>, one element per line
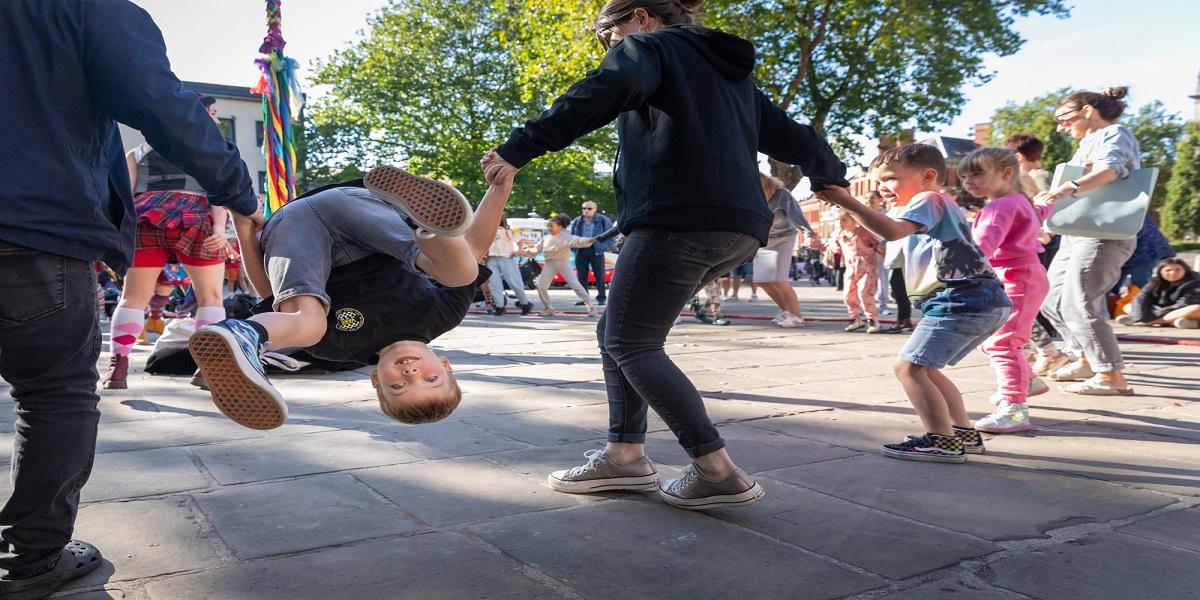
<point>900,295</point>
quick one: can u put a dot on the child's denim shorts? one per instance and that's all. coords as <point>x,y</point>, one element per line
<point>950,329</point>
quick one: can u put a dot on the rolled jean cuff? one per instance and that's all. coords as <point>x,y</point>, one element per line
<point>627,438</point>
<point>1108,367</point>
<point>298,291</point>
<point>702,449</point>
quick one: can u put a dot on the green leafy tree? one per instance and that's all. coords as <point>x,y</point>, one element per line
<point>848,67</point>
<point>1181,209</point>
<point>1035,117</point>
<point>1158,133</point>
<point>430,84</point>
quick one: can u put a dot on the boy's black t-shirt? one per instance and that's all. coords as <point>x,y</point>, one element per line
<point>376,302</point>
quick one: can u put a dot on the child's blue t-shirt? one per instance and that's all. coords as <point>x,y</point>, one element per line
<point>942,255</point>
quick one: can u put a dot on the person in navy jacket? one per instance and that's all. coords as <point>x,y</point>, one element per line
<point>70,70</point>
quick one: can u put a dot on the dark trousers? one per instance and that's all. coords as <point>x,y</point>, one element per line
<point>49,344</point>
<point>900,295</point>
<point>591,259</point>
<point>660,270</point>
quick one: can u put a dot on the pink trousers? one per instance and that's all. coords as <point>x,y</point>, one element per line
<point>860,286</point>
<point>1026,286</point>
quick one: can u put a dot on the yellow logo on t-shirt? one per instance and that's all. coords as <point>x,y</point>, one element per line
<point>348,319</point>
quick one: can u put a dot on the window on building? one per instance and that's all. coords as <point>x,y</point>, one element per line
<point>262,182</point>
<point>227,129</point>
<point>258,133</point>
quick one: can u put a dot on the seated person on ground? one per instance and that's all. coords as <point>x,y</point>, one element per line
<point>1172,298</point>
<point>369,270</point>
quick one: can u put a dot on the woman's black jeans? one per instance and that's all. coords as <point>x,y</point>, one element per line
<point>900,295</point>
<point>659,270</point>
<point>49,343</point>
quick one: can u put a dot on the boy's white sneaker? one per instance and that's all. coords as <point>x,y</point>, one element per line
<point>434,207</point>
<point>592,310</point>
<point>1037,387</point>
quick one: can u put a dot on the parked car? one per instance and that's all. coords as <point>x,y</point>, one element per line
<point>529,232</point>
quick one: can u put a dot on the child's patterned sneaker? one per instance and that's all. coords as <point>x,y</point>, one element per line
<point>872,326</point>
<point>434,207</point>
<point>1010,417</point>
<point>228,355</point>
<point>971,440</point>
<point>929,447</point>
<point>855,325</point>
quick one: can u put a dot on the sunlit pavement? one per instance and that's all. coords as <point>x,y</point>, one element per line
<point>1099,502</point>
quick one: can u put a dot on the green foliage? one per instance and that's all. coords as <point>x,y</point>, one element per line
<point>1181,210</point>
<point>1035,117</point>
<point>430,85</point>
<point>852,67</point>
<point>1158,133</point>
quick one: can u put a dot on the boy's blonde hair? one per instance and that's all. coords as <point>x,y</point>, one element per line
<point>916,156</point>
<point>429,411</point>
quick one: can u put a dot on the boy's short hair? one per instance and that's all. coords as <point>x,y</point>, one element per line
<point>915,156</point>
<point>429,411</point>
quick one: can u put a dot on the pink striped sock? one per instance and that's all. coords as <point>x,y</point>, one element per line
<point>126,325</point>
<point>207,315</point>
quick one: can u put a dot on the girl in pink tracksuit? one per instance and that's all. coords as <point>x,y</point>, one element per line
<point>860,255</point>
<point>1006,229</point>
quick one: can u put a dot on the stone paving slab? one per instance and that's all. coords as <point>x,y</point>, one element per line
<point>1108,567</point>
<point>963,497</point>
<point>876,541</point>
<point>753,449</point>
<point>162,433</point>
<point>462,490</point>
<point>437,566</point>
<point>947,590</point>
<point>550,426</point>
<point>143,473</point>
<point>300,514</point>
<point>1180,529</point>
<point>144,539</point>
<point>257,460</point>
<point>589,549</point>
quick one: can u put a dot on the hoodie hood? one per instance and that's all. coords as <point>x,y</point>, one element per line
<point>731,56</point>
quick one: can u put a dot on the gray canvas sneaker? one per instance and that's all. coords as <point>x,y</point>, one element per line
<point>600,474</point>
<point>692,491</point>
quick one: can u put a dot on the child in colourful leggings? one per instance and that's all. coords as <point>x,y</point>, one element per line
<point>1006,229</point>
<point>860,255</point>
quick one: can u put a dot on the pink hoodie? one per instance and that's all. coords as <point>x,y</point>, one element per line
<point>1006,229</point>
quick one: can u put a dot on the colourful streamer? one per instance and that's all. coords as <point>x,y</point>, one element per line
<point>282,98</point>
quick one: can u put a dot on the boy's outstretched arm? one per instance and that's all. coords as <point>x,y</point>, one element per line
<point>880,224</point>
<point>482,231</point>
<point>454,261</point>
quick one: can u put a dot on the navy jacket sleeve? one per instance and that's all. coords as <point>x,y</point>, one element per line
<point>626,77</point>
<point>787,141</point>
<point>125,60</point>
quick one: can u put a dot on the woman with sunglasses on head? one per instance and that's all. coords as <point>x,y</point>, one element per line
<point>690,122</point>
<point>1085,269</point>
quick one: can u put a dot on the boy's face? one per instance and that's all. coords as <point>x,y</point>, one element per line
<point>899,183</point>
<point>409,372</point>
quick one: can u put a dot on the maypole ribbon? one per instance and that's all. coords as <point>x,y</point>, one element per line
<point>282,98</point>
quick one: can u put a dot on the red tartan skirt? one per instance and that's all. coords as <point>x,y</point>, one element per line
<point>156,247</point>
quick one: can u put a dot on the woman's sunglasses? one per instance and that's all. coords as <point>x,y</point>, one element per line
<point>604,31</point>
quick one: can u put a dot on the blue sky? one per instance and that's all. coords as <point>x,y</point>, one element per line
<point>1150,45</point>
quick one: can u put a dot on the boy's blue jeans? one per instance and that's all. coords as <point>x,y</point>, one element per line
<point>49,344</point>
<point>659,271</point>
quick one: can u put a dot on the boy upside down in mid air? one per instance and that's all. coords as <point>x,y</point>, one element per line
<point>349,273</point>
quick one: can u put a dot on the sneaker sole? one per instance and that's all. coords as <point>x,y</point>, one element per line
<point>236,387</point>
<point>642,483</point>
<point>434,206</point>
<point>1017,429</point>
<point>925,457</point>
<point>746,498</point>
<point>975,449</point>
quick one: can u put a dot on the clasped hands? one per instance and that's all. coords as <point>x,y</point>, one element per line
<point>496,170</point>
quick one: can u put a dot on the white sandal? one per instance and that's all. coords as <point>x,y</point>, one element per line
<point>1097,386</point>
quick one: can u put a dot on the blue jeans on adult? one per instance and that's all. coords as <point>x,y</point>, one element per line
<point>504,270</point>
<point>591,259</point>
<point>660,270</point>
<point>49,344</point>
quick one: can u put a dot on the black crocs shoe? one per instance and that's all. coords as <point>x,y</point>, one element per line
<point>76,560</point>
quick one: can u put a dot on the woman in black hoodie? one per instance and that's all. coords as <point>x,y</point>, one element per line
<point>691,123</point>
